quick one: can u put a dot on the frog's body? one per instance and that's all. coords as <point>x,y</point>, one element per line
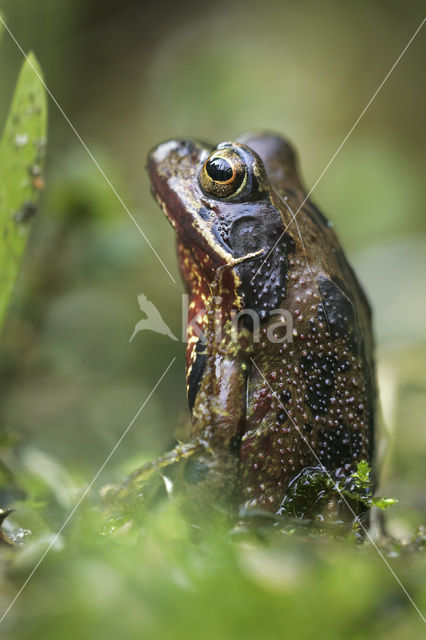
<point>266,408</point>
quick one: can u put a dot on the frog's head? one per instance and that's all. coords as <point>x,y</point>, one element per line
<point>220,202</point>
<point>205,192</point>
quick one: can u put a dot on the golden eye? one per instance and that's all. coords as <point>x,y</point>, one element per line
<point>222,173</point>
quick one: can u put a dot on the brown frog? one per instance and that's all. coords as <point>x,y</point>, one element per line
<point>280,369</point>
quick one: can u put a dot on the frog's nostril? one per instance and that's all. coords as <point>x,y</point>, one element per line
<point>184,147</point>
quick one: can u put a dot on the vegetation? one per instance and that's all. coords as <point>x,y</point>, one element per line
<point>22,148</point>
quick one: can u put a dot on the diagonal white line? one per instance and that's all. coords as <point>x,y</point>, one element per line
<point>84,494</point>
<point>86,148</point>
<point>344,140</point>
<point>305,440</point>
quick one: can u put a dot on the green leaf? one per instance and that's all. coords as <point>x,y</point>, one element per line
<point>22,149</point>
<point>362,474</point>
<point>383,503</point>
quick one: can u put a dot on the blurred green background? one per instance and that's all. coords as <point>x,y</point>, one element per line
<point>129,75</point>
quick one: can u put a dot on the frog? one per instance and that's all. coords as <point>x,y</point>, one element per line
<point>280,367</point>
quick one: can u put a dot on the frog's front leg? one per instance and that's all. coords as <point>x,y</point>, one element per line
<point>206,468</point>
<point>132,488</point>
<point>218,420</point>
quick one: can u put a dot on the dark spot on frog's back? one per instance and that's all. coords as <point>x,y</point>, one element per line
<point>340,312</point>
<point>320,375</point>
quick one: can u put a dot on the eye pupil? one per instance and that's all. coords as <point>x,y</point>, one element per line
<point>219,169</point>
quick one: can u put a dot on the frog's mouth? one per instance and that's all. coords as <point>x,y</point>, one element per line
<point>173,168</point>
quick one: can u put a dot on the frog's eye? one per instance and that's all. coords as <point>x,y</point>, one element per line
<point>222,174</point>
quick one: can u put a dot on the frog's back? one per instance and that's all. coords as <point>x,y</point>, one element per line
<point>316,404</point>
